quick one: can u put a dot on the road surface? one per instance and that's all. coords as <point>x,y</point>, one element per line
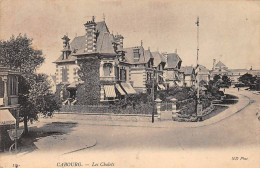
<point>230,141</point>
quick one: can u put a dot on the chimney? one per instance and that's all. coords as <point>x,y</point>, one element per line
<point>165,55</point>
<point>136,54</point>
<point>91,42</point>
<point>66,47</point>
<point>176,50</point>
<point>214,63</point>
<point>119,40</point>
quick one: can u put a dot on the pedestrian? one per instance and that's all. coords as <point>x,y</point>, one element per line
<point>224,90</point>
<point>238,89</point>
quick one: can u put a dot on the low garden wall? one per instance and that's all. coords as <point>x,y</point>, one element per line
<point>106,116</point>
<point>141,108</point>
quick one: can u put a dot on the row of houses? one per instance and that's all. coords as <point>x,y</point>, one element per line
<point>116,71</point>
<point>119,70</point>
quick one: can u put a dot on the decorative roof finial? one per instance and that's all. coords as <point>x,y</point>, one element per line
<point>93,18</point>
<point>142,43</point>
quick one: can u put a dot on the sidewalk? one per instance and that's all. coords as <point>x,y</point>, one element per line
<point>243,102</point>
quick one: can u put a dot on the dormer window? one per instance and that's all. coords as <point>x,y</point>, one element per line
<point>136,54</point>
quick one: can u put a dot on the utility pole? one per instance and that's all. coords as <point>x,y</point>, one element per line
<point>197,69</point>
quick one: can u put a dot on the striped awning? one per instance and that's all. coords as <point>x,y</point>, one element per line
<point>161,86</point>
<point>128,88</point>
<point>72,85</point>
<point>120,89</point>
<point>6,118</point>
<point>110,90</point>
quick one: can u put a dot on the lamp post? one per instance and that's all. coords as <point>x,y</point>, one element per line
<point>153,96</point>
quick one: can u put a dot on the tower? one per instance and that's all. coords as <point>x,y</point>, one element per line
<point>66,47</point>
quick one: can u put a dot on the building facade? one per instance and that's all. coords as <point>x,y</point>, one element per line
<point>93,64</point>
<point>171,69</point>
<point>141,67</point>
<point>9,107</point>
<point>234,74</point>
<point>187,76</point>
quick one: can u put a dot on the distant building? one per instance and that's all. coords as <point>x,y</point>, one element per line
<point>234,74</point>
<point>159,64</point>
<point>171,69</point>
<point>204,73</point>
<point>141,67</point>
<point>187,76</point>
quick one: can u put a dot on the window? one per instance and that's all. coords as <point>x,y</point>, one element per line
<point>117,73</point>
<point>64,74</point>
<point>12,81</point>
<point>107,67</point>
<point>122,74</point>
<point>75,71</point>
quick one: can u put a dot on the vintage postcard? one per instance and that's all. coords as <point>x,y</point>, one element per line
<point>129,84</point>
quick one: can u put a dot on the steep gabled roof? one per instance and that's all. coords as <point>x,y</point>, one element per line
<point>158,58</point>
<point>172,60</point>
<point>102,27</point>
<point>145,55</point>
<point>220,65</point>
<point>187,70</point>
<point>104,43</point>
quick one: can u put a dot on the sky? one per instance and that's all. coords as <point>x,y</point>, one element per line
<point>229,30</point>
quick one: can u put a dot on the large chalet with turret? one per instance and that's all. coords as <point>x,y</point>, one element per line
<point>97,68</point>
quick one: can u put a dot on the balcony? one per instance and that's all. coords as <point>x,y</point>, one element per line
<point>108,78</point>
<point>9,101</point>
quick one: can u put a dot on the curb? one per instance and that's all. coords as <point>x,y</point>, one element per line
<point>86,147</point>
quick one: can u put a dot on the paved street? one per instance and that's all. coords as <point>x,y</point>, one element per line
<point>233,133</point>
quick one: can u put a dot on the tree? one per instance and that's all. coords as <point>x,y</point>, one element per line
<point>34,89</point>
<point>226,81</point>
<point>247,79</point>
<point>216,78</point>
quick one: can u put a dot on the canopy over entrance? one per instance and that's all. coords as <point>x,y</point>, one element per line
<point>6,118</point>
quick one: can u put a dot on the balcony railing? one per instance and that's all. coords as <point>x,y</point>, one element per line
<point>9,101</point>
